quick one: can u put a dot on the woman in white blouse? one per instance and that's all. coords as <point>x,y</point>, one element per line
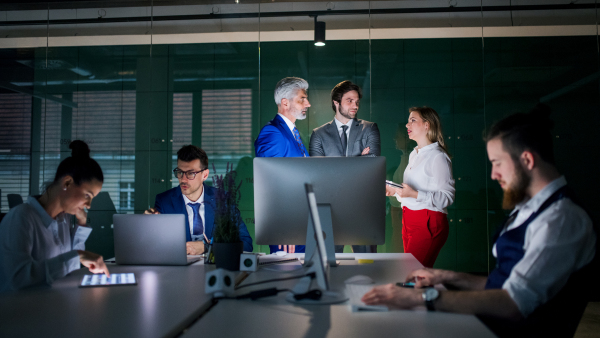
<point>44,238</point>
<point>428,188</point>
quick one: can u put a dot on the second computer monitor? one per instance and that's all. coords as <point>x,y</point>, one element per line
<point>353,186</point>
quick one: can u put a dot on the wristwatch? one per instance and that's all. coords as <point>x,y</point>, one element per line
<point>429,295</point>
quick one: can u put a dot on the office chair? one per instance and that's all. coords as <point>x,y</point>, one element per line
<point>14,200</point>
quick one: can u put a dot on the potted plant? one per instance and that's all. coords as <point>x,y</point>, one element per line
<point>227,246</point>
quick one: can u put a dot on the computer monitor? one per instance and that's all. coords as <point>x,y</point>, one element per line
<point>354,187</point>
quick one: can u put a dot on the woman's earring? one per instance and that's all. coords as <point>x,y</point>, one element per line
<point>65,188</point>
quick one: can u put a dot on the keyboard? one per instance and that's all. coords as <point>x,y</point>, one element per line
<point>355,292</point>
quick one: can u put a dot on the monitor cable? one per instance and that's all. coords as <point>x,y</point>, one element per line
<point>312,275</point>
<point>254,295</point>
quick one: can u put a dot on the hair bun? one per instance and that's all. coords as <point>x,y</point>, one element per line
<point>540,115</point>
<point>79,149</point>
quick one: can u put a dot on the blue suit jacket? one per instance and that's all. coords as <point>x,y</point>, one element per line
<point>171,202</point>
<point>276,140</point>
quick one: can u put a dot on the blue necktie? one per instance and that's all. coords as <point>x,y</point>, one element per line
<point>198,228</point>
<point>299,141</point>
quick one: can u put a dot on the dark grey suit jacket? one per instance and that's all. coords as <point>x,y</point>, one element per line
<point>325,140</point>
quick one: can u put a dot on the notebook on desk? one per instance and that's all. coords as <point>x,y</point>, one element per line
<point>151,240</point>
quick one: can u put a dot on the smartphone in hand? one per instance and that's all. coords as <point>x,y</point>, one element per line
<point>392,184</point>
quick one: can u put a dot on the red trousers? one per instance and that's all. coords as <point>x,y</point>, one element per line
<point>424,233</point>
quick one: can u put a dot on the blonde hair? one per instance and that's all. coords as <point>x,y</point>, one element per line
<point>434,133</point>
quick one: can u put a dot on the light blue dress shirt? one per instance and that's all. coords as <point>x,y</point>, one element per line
<point>36,249</point>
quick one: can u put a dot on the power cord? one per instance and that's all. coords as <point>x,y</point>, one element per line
<point>254,295</point>
<point>312,275</point>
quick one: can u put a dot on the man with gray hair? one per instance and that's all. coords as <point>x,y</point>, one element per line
<point>280,137</point>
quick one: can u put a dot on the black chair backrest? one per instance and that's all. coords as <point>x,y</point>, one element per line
<point>14,200</point>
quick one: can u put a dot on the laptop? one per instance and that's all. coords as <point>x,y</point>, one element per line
<point>151,240</point>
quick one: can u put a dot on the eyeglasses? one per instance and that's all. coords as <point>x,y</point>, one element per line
<point>190,175</point>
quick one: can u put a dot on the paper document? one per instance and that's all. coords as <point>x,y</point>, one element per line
<point>355,292</point>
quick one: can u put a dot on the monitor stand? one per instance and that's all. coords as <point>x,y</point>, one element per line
<point>327,227</point>
<point>316,262</point>
<point>304,285</point>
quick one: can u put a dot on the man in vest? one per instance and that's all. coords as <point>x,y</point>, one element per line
<point>545,243</point>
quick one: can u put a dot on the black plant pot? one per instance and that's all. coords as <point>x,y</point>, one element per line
<point>227,255</point>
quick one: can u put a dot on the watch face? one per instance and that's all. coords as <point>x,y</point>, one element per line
<point>431,294</point>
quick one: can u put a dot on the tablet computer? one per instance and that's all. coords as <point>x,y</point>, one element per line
<point>102,280</point>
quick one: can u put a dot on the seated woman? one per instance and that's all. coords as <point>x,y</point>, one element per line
<point>44,238</point>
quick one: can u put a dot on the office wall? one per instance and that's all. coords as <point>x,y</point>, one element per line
<point>137,104</point>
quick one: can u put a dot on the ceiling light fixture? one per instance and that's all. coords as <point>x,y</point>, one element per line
<point>319,33</point>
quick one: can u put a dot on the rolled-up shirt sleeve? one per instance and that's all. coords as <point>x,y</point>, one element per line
<point>79,234</point>
<point>560,243</point>
<point>441,189</point>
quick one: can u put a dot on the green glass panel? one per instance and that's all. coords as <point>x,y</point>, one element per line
<point>447,257</point>
<point>341,60</point>
<point>388,105</point>
<point>152,121</point>
<point>387,64</point>
<point>469,171</point>
<point>428,63</point>
<point>471,241</point>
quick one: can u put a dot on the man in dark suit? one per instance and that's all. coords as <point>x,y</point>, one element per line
<point>346,135</point>
<point>195,200</point>
<point>280,137</point>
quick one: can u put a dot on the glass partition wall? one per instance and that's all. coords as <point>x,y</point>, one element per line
<point>136,83</point>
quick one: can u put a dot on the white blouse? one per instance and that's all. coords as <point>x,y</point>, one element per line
<point>429,172</point>
<point>37,249</point>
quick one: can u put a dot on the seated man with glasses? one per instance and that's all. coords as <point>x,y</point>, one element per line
<point>195,200</point>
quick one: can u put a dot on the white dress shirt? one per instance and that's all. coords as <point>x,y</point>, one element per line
<point>289,123</point>
<point>429,172</point>
<point>340,130</point>
<point>37,249</point>
<point>190,212</point>
<point>557,243</point>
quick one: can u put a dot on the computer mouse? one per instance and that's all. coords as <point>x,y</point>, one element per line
<point>281,253</point>
<point>359,279</point>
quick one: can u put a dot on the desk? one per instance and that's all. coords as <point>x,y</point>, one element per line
<point>275,317</point>
<point>165,301</point>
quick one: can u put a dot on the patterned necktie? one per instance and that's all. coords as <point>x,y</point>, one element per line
<point>299,141</point>
<point>198,228</point>
<point>344,139</point>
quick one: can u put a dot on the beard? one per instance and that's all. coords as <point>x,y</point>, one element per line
<point>347,114</point>
<point>517,191</point>
<point>299,115</point>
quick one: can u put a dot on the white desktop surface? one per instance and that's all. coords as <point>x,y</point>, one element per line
<point>165,301</point>
<point>275,317</point>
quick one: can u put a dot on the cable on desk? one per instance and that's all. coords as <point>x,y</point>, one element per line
<point>254,295</point>
<point>312,275</point>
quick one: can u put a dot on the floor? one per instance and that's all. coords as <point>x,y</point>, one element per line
<point>589,326</point>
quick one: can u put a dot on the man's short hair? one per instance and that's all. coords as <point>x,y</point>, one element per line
<point>342,88</point>
<point>191,152</point>
<point>526,132</point>
<point>288,87</point>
